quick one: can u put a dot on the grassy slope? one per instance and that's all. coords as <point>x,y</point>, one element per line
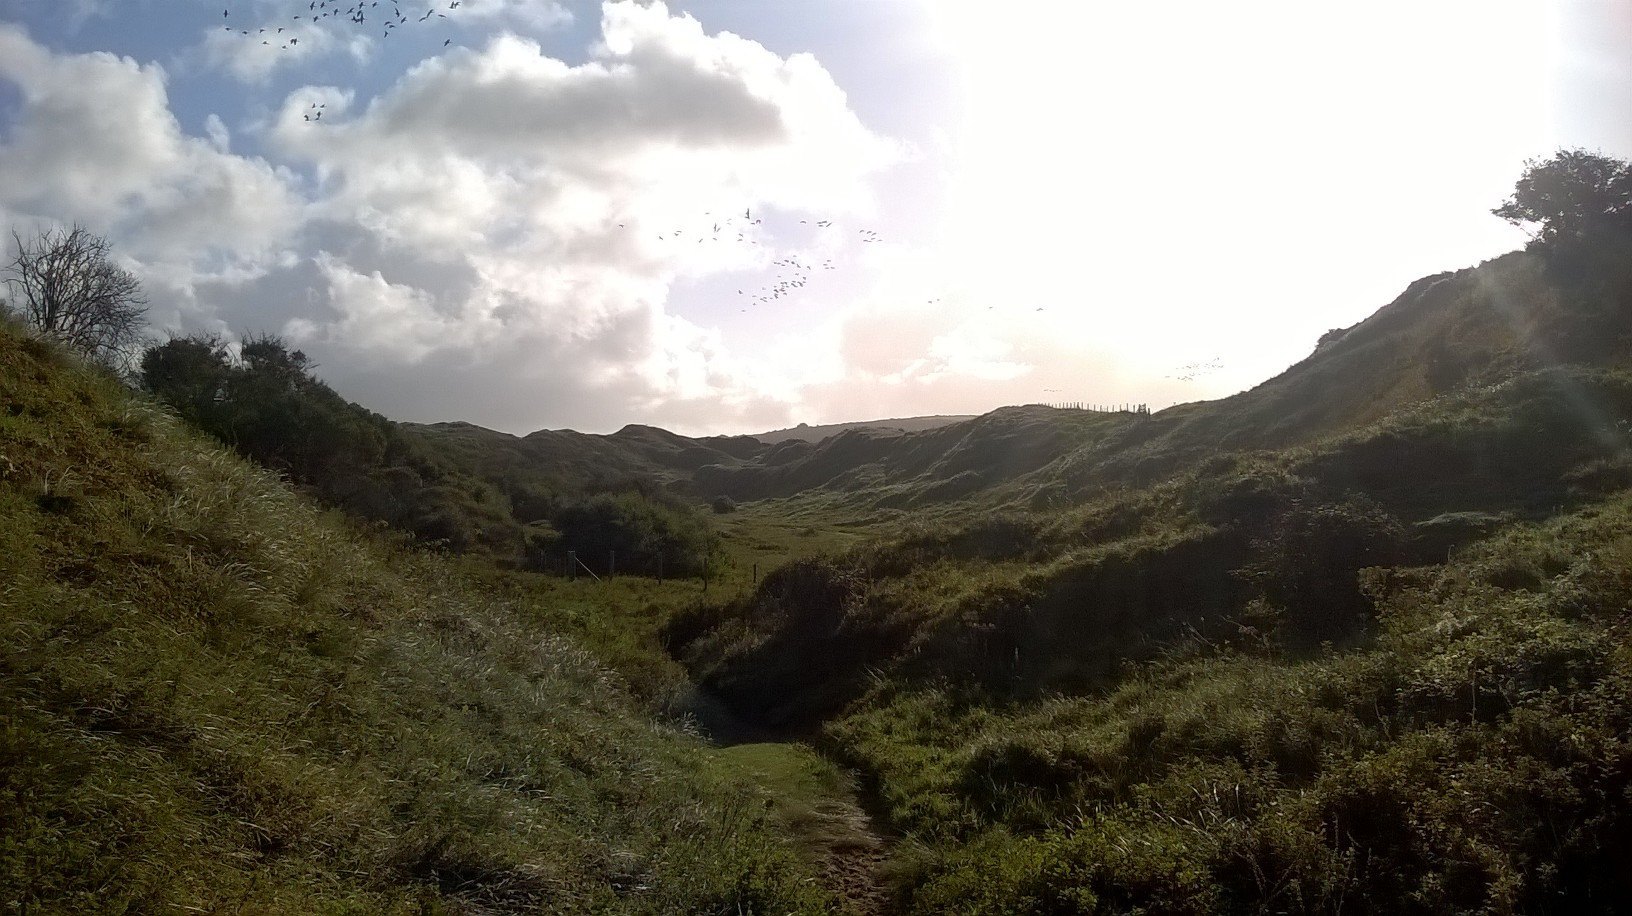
<point>1362,650</point>
<point>1474,758</point>
<point>1029,602</point>
<point>213,695</point>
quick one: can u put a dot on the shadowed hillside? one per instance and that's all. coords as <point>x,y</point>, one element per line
<point>574,460</point>
<point>807,433</point>
<point>1011,600</point>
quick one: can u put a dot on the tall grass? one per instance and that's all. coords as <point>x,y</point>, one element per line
<point>1472,758</point>
<point>214,696</point>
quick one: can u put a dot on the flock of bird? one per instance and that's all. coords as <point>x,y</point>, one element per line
<point>357,14</point>
<point>793,272</point>
<point>1189,372</point>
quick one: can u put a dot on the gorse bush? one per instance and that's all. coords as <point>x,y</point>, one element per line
<point>265,403</point>
<point>1573,198</point>
<point>645,535</point>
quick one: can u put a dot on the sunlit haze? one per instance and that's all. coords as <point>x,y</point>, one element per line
<point>732,216</point>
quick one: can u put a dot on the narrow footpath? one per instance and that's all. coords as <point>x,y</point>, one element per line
<point>819,802</point>
<point>853,867</point>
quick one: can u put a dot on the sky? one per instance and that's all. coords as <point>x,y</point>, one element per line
<point>730,216</point>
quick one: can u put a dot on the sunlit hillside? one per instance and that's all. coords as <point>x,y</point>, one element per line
<point>214,696</point>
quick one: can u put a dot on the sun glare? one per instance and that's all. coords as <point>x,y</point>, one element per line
<point>1146,172</point>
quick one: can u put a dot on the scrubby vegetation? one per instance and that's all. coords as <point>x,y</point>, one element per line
<point>264,401</point>
<point>1471,757</point>
<point>214,696</point>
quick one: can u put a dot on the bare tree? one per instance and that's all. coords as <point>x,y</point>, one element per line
<point>64,283</point>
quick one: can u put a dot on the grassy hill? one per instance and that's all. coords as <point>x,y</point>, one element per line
<point>216,697</point>
<point>1353,641</point>
<point>571,460</point>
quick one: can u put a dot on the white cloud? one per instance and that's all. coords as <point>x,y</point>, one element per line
<point>94,141</point>
<point>451,247</point>
<point>662,124</point>
<point>536,14</point>
<point>388,322</point>
<point>516,170</point>
<point>216,129</point>
<point>962,358</point>
<point>74,13</point>
<point>252,55</point>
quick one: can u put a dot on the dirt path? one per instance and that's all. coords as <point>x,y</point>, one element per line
<point>855,857</point>
<point>818,801</point>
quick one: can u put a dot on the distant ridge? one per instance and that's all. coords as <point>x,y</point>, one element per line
<point>806,433</point>
<point>1444,335</point>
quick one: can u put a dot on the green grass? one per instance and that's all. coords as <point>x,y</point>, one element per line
<point>767,534</point>
<point>1472,759</point>
<point>215,696</point>
<point>622,619</point>
<point>815,804</point>
<point>805,793</point>
<point>618,620</point>
<point>1383,671</point>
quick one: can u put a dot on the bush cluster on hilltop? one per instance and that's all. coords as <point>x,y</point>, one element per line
<point>264,401</point>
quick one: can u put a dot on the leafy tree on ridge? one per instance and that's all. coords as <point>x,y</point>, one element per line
<point>1575,196</point>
